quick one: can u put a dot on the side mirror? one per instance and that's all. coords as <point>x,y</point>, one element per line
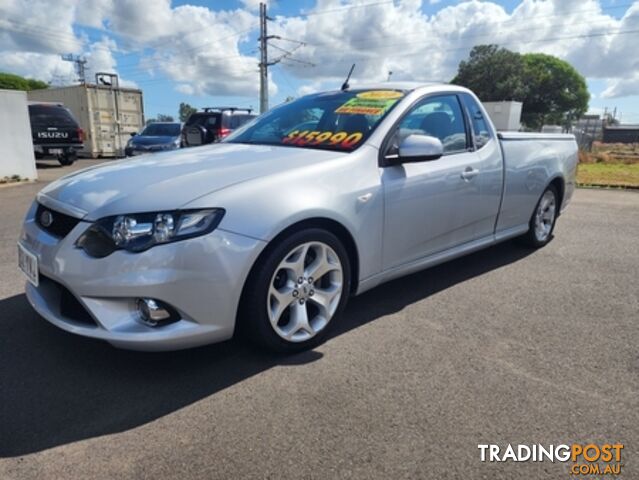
<point>420,148</point>
<point>133,134</point>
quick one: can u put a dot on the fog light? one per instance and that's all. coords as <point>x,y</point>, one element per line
<point>153,312</point>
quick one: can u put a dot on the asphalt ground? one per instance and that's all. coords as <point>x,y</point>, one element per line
<point>504,346</point>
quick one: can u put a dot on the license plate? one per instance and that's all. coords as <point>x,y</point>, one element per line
<point>55,151</point>
<point>28,263</point>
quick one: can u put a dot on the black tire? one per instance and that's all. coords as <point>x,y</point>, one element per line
<point>530,238</point>
<point>253,319</point>
<point>68,158</point>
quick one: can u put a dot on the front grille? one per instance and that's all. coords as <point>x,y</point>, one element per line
<point>60,224</point>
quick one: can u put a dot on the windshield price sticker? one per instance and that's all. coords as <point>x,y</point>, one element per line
<point>313,137</point>
<point>370,103</point>
<point>380,95</point>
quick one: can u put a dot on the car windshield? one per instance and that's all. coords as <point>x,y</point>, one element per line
<point>339,121</point>
<point>161,130</point>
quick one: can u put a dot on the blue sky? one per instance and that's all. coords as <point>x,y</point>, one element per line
<point>176,53</point>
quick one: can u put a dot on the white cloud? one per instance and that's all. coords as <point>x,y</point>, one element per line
<point>399,38</point>
<point>622,87</point>
<point>193,46</point>
<point>200,49</point>
<point>255,4</point>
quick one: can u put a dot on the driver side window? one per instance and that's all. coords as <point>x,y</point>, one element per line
<point>437,116</point>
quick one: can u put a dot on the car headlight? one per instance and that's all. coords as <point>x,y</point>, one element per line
<point>141,231</point>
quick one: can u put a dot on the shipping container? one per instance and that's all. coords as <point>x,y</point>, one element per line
<point>108,115</point>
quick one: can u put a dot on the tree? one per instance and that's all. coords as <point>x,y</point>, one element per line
<point>551,90</point>
<point>9,81</point>
<point>186,111</point>
<point>557,93</point>
<point>493,73</point>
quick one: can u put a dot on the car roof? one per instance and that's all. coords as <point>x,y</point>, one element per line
<point>47,104</point>
<point>225,111</point>
<point>407,87</point>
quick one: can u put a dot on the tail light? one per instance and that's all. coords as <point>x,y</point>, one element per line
<point>224,132</point>
<point>81,134</point>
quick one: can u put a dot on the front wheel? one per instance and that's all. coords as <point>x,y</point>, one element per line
<point>542,222</point>
<point>296,291</point>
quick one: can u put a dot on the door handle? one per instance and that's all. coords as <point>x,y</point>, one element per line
<point>469,173</point>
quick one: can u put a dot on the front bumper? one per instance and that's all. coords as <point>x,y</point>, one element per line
<point>201,278</point>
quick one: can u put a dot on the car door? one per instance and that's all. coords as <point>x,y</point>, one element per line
<point>490,166</point>
<point>433,205</point>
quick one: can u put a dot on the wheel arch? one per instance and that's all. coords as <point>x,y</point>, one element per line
<point>331,225</point>
<point>325,223</point>
<point>328,224</point>
<point>559,183</point>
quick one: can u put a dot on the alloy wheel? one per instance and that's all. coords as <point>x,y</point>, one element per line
<point>545,216</point>
<point>305,291</point>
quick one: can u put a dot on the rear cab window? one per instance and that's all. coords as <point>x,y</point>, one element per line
<point>208,120</point>
<point>51,115</point>
<point>239,119</point>
<point>481,131</point>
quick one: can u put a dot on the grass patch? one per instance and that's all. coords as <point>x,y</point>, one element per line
<point>608,174</point>
<point>12,179</point>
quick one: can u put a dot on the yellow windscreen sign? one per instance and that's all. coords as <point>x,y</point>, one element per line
<point>373,102</point>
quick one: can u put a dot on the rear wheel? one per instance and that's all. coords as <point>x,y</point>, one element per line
<point>542,222</point>
<point>67,158</point>
<point>296,292</point>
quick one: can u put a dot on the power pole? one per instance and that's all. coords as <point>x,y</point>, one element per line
<point>80,63</point>
<point>263,60</point>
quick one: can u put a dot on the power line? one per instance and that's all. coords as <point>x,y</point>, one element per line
<point>343,9</point>
<point>375,54</point>
<point>132,69</point>
<point>366,41</point>
<point>287,81</point>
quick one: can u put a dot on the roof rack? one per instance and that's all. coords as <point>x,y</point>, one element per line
<point>223,109</point>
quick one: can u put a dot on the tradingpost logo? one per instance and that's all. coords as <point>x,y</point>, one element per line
<point>586,459</point>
